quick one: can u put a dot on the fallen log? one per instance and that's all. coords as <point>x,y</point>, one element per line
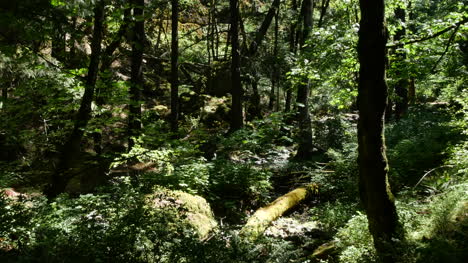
<point>262,218</point>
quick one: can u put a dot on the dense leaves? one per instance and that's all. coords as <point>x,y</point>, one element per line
<point>46,60</point>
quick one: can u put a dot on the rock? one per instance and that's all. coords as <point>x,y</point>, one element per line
<point>194,209</point>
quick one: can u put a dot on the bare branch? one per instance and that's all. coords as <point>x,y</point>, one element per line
<point>456,25</point>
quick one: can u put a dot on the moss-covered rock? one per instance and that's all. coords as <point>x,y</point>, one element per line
<point>193,209</point>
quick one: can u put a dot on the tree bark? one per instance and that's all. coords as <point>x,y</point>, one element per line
<point>174,67</point>
<point>375,193</point>
<point>305,150</point>
<point>71,149</point>
<point>236,109</point>
<point>136,75</point>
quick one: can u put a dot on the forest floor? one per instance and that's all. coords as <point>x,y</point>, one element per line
<point>426,152</point>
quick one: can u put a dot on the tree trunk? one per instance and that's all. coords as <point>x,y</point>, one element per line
<point>102,91</point>
<point>58,38</point>
<point>261,32</point>
<point>174,67</point>
<point>274,75</point>
<point>305,149</point>
<point>262,218</point>
<point>254,110</point>
<point>136,76</point>
<point>412,91</point>
<point>71,149</point>
<point>292,49</point>
<point>401,87</point>
<point>323,11</point>
<point>375,193</point>
<point>236,109</point>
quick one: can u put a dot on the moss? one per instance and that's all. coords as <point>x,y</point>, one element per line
<point>262,218</point>
<point>193,209</point>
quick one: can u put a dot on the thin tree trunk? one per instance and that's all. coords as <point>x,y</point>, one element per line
<point>401,87</point>
<point>305,149</point>
<point>58,40</point>
<point>323,11</point>
<point>102,91</point>
<point>254,110</point>
<point>136,76</point>
<point>292,49</point>
<point>236,110</point>
<point>71,149</point>
<point>174,67</point>
<point>107,57</point>
<point>375,193</point>
<point>274,75</point>
<point>412,91</point>
<point>261,32</point>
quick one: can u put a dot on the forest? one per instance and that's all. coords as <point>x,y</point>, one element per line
<point>234,131</point>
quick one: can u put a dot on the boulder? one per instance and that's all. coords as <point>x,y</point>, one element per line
<point>193,209</point>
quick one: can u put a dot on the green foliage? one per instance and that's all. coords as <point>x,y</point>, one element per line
<point>419,142</point>
<point>260,136</point>
<point>115,225</point>
<point>232,183</point>
<point>356,241</point>
<point>177,168</point>
<point>333,215</point>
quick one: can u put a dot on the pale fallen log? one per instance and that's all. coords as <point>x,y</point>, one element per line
<point>262,218</point>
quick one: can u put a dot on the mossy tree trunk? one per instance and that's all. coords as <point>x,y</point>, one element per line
<point>375,193</point>
<point>262,218</point>
<point>136,75</point>
<point>71,149</point>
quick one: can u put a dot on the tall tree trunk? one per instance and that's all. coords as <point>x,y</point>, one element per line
<point>412,29</point>
<point>174,66</point>
<point>305,149</point>
<point>254,110</point>
<point>102,91</point>
<point>401,87</point>
<point>71,149</point>
<point>261,32</point>
<point>292,49</point>
<point>274,75</point>
<point>375,193</point>
<point>236,110</point>
<point>136,76</point>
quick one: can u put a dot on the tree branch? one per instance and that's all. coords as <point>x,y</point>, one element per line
<point>456,25</point>
<point>452,37</point>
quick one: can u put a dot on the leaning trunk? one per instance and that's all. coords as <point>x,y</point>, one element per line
<point>375,193</point>
<point>71,149</point>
